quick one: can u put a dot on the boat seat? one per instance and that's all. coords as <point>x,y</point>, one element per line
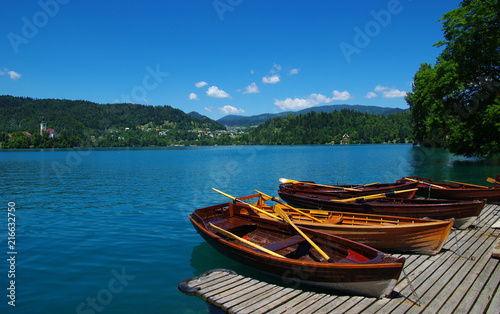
<point>353,258</point>
<point>276,246</point>
<point>239,227</point>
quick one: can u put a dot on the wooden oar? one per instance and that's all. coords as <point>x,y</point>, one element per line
<point>491,180</point>
<point>233,236</point>
<point>374,196</point>
<point>467,184</point>
<point>283,180</point>
<point>369,184</point>
<point>253,207</point>
<point>287,219</point>
<point>290,207</point>
<point>420,181</point>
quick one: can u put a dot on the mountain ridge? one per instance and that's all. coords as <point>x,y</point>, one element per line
<point>248,121</point>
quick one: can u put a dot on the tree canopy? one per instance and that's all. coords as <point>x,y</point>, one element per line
<point>456,102</point>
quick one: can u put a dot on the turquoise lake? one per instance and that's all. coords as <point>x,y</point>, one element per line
<point>107,230</point>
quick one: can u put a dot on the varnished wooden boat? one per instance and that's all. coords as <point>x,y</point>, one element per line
<point>455,191</point>
<point>385,233</point>
<point>464,212</point>
<point>346,191</point>
<point>353,268</point>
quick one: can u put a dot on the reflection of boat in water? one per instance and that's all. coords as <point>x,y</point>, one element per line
<point>204,258</point>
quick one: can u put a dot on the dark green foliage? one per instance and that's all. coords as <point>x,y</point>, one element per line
<point>83,123</point>
<point>456,102</point>
<point>329,128</point>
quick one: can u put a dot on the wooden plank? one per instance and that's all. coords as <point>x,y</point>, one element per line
<point>281,297</point>
<point>495,251</point>
<point>471,272</point>
<point>288,306</point>
<point>323,302</point>
<point>429,277</point>
<point>362,305</point>
<point>494,304</point>
<point>251,298</point>
<point>437,291</point>
<point>238,295</point>
<point>331,306</point>
<point>256,303</point>
<point>223,286</point>
<point>472,297</point>
<point>487,293</point>
<point>215,276</point>
<point>308,305</point>
<point>345,306</point>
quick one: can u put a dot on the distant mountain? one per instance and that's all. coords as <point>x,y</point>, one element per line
<point>197,115</point>
<point>247,121</point>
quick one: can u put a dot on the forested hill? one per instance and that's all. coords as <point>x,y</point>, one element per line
<point>80,117</point>
<point>247,121</point>
<point>329,128</point>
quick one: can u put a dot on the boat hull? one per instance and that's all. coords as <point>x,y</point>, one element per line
<point>457,191</point>
<point>340,192</point>
<point>424,238</point>
<point>464,212</point>
<point>376,278</point>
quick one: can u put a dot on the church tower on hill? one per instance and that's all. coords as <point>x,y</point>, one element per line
<point>43,126</point>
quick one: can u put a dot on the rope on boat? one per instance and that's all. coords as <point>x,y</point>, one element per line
<point>411,287</point>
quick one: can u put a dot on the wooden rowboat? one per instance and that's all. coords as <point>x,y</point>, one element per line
<point>341,191</point>
<point>464,212</point>
<point>385,233</point>
<point>352,268</point>
<point>456,191</point>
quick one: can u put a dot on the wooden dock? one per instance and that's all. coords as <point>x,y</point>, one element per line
<point>460,279</point>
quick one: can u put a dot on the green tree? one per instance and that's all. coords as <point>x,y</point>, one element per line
<point>456,103</point>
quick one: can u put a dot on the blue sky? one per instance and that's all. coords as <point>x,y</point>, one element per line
<point>219,57</point>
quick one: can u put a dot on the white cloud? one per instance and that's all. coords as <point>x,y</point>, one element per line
<point>271,79</point>
<point>193,96</point>
<point>386,92</point>
<point>302,103</point>
<point>293,71</point>
<point>209,109</point>
<point>200,84</point>
<point>230,110</point>
<point>251,89</point>
<point>341,95</point>
<point>214,91</point>
<point>380,88</point>
<point>276,68</point>
<point>393,93</point>
<point>12,74</point>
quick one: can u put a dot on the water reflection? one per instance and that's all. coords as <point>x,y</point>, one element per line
<point>439,165</point>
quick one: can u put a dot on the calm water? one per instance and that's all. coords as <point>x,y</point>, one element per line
<point>106,231</point>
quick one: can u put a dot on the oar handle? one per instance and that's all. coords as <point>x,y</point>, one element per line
<point>380,195</point>
<point>288,206</point>
<point>251,206</point>
<point>473,185</point>
<point>289,221</point>
<point>423,182</point>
